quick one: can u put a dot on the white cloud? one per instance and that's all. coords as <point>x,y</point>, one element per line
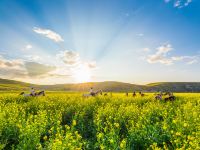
<point>70,58</point>
<point>14,64</point>
<point>30,70</point>
<point>187,2</point>
<point>17,68</point>
<point>37,69</point>
<point>11,68</point>
<point>162,56</point>
<point>28,47</point>
<point>179,3</point>
<point>188,59</point>
<point>177,58</point>
<point>164,49</point>
<point>182,3</point>
<point>33,58</point>
<point>191,59</point>
<point>192,62</point>
<point>49,34</point>
<point>92,64</point>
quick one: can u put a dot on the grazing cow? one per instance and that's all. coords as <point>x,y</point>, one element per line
<point>126,93</point>
<point>105,94</point>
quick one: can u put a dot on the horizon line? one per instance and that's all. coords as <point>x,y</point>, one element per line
<point>106,81</point>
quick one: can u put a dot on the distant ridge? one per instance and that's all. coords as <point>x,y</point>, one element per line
<point>108,86</point>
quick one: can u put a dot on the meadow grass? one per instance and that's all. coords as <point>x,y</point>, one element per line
<point>68,121</point>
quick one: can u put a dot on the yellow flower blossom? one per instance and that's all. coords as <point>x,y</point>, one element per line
<point>185,124</point>
<point>45,137</point>
<point>178,133</point>
<point>74,122</point>
<point>111,141</point>
<point>123,144</point>
<point>116,125</point>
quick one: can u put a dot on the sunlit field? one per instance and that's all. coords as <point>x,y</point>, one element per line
<point>69,121</point>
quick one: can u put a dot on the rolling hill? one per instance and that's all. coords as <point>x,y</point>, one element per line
<point>12,85</point>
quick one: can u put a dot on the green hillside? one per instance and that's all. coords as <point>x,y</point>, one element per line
<point>175,86</point>
<point>108,86</point>
<point>12,85</point>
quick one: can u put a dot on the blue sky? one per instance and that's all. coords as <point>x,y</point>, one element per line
<point>67,41</point>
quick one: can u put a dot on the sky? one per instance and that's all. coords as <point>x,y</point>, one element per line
<point>72,41</point>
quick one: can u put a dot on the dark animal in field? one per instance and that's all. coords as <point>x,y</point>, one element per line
<point>105,94</point>
<point>134,94</point>
<point>142,94</point>
<point>93,93</point>
<point>126,93</point>
<point>40,93</point>
<point>22,93</point>
<point>167,93</point>
<point>170,98</point>
<point>158,97</point>
<point>97,92</point>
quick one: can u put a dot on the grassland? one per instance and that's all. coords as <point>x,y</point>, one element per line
<point>68,121</point>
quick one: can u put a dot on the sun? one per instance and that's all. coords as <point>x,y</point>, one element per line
<point>82,74</point>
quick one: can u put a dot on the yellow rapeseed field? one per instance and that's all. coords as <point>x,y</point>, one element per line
<point>69,121</point>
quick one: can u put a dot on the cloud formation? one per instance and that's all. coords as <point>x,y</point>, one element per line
<point>11,68</point>
<point>49,34</point>
<point>35,58</point>
<point>92,64</point>
<point>37,69</point>
<point>70,58</point>
<point>17,68</point>
<point>16,63</point>
<point>27,47</point>
<point>179,3</point>
<point>162,56</point>
<point>66,66</point>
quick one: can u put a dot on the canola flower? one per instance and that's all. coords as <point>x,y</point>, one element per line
<point>67,121</point>
<point>123,144</point>
<point>74,122</point>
